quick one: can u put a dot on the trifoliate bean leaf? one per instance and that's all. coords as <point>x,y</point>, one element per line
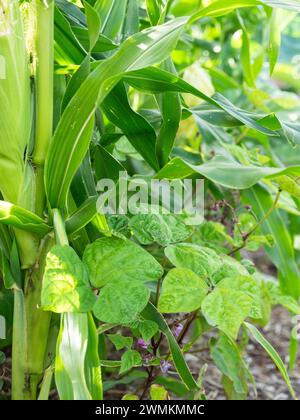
<point>119,341</point>
<point>249,286</point>
<point>147,329</point>
<point>229,268</point>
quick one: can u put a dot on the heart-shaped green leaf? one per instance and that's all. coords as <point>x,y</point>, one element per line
<point>113,259</point>
<point>183,291</point>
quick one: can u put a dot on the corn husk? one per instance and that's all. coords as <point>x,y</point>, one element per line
<point>15,100</point>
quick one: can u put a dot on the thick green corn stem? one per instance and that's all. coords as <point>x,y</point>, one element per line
<point>44,93</point>
<point>38,321</point>
<point>19,347</point>
<point>31,331</point>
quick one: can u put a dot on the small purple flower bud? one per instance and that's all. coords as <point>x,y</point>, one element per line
<point>147,358</point>
<point>165,366</point>
<point>177,330</point>
<point>143,344</point>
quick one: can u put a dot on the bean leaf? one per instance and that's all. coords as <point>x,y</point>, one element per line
<point>121,301</point>
<point>183,291</point>
<point>227,309</point>
<point>66,283</point>
<point>202,261</point>
<point>113,259</point>
<point>129,360</point>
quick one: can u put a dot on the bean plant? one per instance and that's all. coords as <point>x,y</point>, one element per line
<point>164,90</point>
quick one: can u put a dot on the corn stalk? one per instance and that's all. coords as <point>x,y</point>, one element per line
<point>21,181</point>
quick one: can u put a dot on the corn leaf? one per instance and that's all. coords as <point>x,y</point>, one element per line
<point>23,219</point>
<point>224,171</point>
<point>135,127</point>
<point>70,359</point>
<point>73,134</point>
<point>82,216</point>
<point>151,313</point>
<point>282,254</point>
<point>272,353</point>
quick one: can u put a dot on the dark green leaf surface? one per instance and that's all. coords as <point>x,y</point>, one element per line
<point>121,301</point>
<point>114,259</point>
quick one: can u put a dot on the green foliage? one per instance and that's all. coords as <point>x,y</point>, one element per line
<point>114,259</point>
<point>130,359</point>
<point>159,228</point>
<point>228,359</point>
<point>227,308</point>
<point>119,341</point>
<point>183,291</point>
<point>23,219</point>
<point>66,283</point>
<point>158,393</point>
<point>203,261</point>
<point>158,90</point>
<point>121,301</point>
<point>272,353</point>
<point>15,97</point>
<point>6,311</point>
<point>147,329</point>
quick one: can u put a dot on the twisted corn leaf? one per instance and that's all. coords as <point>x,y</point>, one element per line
<point>23,219</point>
